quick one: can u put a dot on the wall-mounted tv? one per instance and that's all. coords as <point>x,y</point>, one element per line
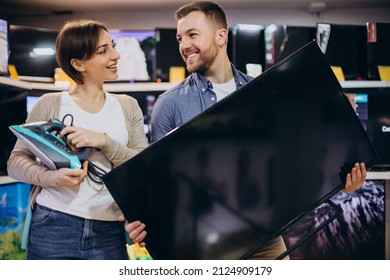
<point>33,53</point>
<point>4,47</point>
<point>137,51</point>
<point>228,181</point>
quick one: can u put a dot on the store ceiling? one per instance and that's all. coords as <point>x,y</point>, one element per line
<point>20,8</point>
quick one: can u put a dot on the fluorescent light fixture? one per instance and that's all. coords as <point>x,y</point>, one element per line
<point>249,27</point>
<point>43,51</point>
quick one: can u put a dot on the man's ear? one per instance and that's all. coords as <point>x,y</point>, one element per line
<point>77,64</point>
<point>222,36</point>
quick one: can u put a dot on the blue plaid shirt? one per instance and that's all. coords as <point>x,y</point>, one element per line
<point>185,101</point>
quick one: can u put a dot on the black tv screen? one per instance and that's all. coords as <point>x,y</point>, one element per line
<point>231,179</point>
<point>282,40</point>
<point>378,46</point>
<point>246,47</point>
<point>167,53</point>
<point>379,126</point>
<point>345,46</point>
<point>4,47</point>
<point>371,106</point>
<point>33,53</point>
<point>13,111</point>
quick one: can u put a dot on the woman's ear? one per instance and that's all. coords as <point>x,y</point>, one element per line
<point>77,64</point>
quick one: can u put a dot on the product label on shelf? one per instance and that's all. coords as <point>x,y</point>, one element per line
<point>371,32</point>
<point>384,73</point>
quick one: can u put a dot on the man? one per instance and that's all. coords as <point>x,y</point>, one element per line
<point>202,34</point>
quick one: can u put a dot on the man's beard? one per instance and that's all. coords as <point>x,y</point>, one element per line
<point>206,59</point>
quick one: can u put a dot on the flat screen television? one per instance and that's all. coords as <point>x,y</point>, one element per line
<point>4,47</point>
<point>137,51</point>
<point>282,40</point>
<point>378,46</point>
<point>345,46</point>
<point>13,111</point>
<point>33,53</point>
<point>13,209</point>
<point>228,181</point>
<point>167,53</point>
<point>371,106</point>
<point>246,47</point>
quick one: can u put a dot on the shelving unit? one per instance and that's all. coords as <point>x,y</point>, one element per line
<point>110,86</point>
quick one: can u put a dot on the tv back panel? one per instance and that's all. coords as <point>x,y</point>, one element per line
<point>231,179</point>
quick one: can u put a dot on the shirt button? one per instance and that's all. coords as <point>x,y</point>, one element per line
<point>203,90</point>
<point>212,98</point>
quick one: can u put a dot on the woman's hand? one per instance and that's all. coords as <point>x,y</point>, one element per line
<point>71,178</point>
<point>80,137</point>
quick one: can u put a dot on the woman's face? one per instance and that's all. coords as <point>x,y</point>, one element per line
<point>102,66</point>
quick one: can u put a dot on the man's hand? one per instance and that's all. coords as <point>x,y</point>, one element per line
<point>356,178</point>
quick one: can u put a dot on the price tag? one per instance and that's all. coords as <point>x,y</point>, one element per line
<point>338,71</point>
<point>384,73</point>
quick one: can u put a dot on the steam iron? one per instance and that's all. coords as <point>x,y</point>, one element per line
<point>45,144</point>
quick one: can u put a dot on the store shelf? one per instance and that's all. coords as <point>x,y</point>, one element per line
<point>110,86</point>
<point>365,84</point>
<point>5,81</point>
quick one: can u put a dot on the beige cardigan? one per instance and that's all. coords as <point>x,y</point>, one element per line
<point>22,164</point>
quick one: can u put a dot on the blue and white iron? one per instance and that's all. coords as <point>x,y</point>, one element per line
<point>45,144</point>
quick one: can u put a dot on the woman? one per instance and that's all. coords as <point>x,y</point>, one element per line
<point>74,216</point>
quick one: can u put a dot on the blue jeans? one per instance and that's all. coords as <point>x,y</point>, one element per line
<point>56,235</point>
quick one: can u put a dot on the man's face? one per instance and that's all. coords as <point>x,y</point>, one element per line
<point>197,41</point>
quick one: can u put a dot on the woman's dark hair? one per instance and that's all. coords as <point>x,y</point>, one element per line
<point>212,10</point>
<point>78,39</point>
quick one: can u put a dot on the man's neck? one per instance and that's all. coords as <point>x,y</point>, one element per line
<point>220,73</point>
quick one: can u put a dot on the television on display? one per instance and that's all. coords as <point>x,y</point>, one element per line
<point>137,54</point>
<point>33,53</point>
<point>371,106</point>
<point>4,47</point>
<point>378,46</point>
<point>13,208</point>
<point>233,178</point>
<point>246,48</point>
<point>167,53</point>
<point>282,40</point>
<point>13,111</point>
<point>379,127</point>
<point>345,46</point>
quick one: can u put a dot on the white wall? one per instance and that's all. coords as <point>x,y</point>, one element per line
<point>164,18</point>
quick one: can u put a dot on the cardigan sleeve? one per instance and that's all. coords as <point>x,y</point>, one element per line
<point>22,164</point>
<point>118,153</point>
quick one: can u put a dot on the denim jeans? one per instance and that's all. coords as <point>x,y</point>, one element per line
<point>56,235</point>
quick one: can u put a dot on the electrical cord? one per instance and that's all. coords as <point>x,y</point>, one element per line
<point>95,173</point>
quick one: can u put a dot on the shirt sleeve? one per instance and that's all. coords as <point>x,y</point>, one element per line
<point>162,118</point>
<point>22,164</point>
<point>118,153</point>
